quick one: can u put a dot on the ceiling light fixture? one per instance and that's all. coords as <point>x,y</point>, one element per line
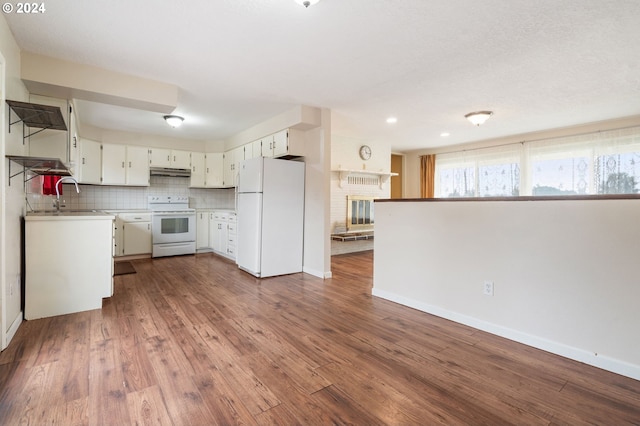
<point>307,3</point>
<point>445,134</point>
<point>478,117</point>
<point>174,120</point>
<point>392,120</point>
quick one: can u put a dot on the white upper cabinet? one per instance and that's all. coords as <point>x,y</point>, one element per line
<point>248,151</point>
<point>280,143</point>
<point>285,143</point>
<point>74,141</point>
<point>125,165</point>
<point>137,166</point>
<point>172,158</point>
<point>232,160</point>
<point>88,162</point>
<point>198,170</point>
<point>180,159</point>
<point>114,158</point>
<point>159,157</point>
<point>256,148</point>
<point>267,146</point>
<point>207,170</point>
<point>214,174</point>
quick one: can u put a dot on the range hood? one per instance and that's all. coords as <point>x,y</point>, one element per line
<point>165,171</point>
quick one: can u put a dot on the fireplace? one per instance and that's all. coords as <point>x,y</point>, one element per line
<point>359,213</point>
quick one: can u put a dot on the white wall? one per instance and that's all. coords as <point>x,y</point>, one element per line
<point>565,272</point>
<point>12,195</point>
<point>317,244</point>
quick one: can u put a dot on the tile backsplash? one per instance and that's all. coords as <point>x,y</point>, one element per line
<point>127,197</point>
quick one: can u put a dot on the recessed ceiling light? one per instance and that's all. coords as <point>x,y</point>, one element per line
<point>445,134</point>
<point>392,120</point>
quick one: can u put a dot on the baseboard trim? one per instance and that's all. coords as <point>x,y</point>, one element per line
<point>316,273</point>
<point>606,363</point>
<point>13,329</point>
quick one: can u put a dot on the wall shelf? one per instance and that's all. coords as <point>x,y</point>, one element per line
<point>363,177</point>
<point>42,117</point>
<point>38,166</point>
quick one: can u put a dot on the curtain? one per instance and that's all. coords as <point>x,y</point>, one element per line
<point>427,175</point>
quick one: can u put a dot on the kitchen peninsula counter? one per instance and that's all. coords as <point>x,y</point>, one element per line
<point>68,262</point>
<point>556,273</point>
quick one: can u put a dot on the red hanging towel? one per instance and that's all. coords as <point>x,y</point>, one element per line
<point>49,185</point>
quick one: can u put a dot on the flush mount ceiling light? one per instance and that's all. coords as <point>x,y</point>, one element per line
<point>478,117</point>
<point>307,3</point>
<point>392,120</point>
<point>173,120</point>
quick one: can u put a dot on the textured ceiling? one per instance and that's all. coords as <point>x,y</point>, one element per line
<point>537,64</point>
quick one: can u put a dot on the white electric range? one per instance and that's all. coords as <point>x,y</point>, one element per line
<point>173,225</point>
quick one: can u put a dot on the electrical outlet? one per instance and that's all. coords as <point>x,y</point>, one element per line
<point>488,288</point>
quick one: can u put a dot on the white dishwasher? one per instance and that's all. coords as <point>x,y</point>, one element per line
<point>136,233</point>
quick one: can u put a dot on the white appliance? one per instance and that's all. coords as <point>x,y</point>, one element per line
<point>173,226</point>
<point>270,214</point>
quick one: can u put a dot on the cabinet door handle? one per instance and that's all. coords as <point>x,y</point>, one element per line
<point>168,158</point>
<point>129,164</point>
<point>123,164</point>
<point>83,160</point>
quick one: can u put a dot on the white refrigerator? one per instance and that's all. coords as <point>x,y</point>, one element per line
<point>270,213</point>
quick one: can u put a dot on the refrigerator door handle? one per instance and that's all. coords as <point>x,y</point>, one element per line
<point>236,193</point>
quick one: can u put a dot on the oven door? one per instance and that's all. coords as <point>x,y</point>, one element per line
<point>173,227</point>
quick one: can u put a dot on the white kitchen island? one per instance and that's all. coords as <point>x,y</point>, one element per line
<point>69,262</point>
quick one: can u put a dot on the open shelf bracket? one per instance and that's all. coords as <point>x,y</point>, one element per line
<point>39,116</point>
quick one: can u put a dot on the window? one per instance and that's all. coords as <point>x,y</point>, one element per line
<point>618,173</point>
<point>597,163</point>
<point>490,172</point>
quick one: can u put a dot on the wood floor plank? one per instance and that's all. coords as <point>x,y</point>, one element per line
<point>106,380</point>
<point>195,340</point>
<point>147,407</point>
<point>182,398</point>
<point>223,402</point>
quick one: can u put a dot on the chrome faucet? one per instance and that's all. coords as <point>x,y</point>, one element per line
<point>75,182</point>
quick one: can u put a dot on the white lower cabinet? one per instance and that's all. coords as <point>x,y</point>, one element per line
<point>133,233</point>
<point>231,236</point>
<point>136,238</point>
<point>216,230</point>
<point>202,229</point>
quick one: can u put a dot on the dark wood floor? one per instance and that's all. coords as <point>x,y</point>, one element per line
<point>193,340</point>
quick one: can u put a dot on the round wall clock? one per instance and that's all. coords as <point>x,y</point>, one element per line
<point>365,152</point>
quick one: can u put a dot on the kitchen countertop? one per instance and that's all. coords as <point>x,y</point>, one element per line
<point>70,215</point>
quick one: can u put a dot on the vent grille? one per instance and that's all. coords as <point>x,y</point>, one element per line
<point>363,180</point>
